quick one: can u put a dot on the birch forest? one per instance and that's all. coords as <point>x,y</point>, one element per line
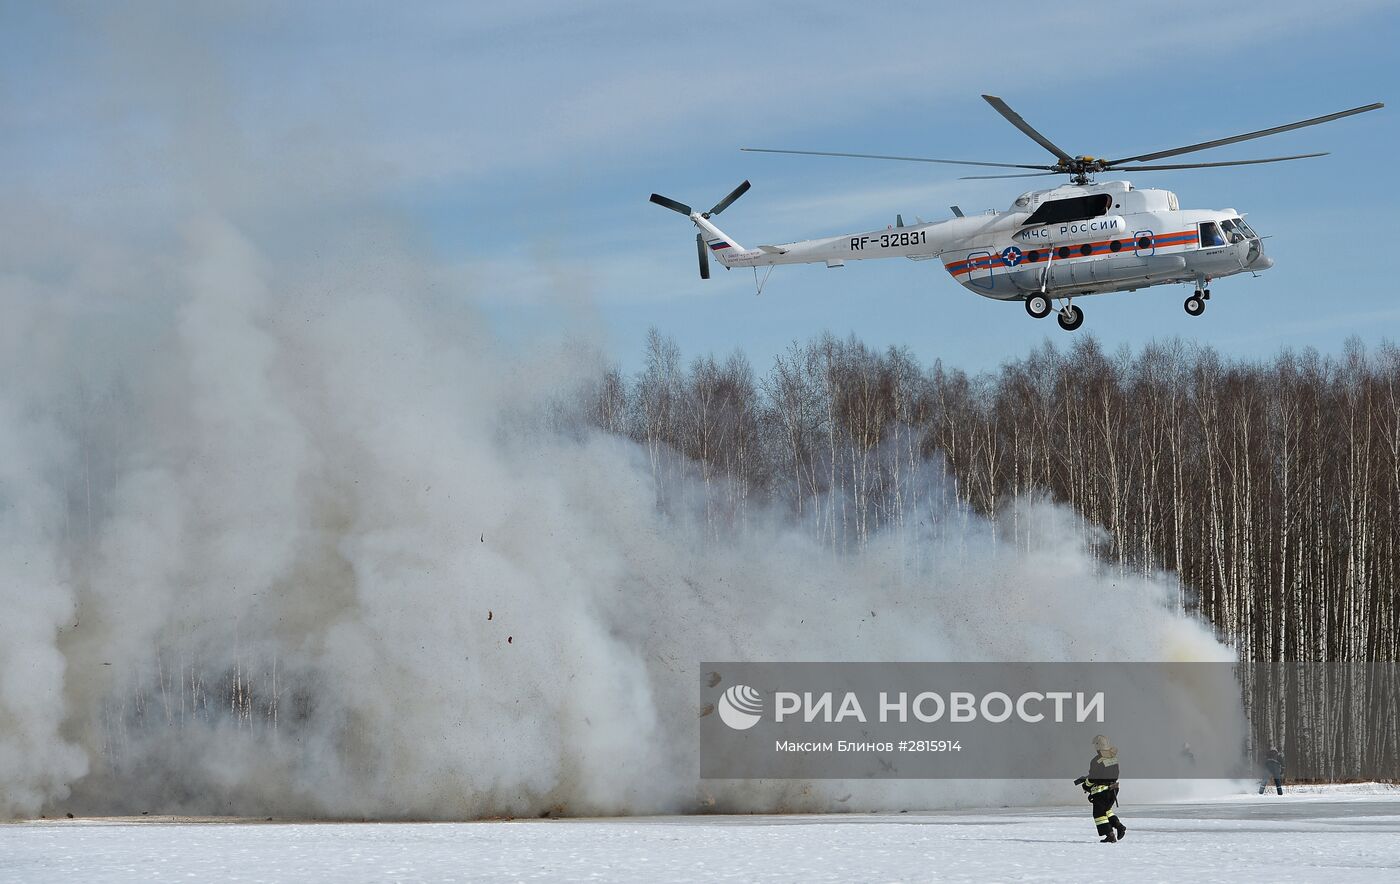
<point>1270,489</point>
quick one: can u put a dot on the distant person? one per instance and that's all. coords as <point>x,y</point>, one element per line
<point>1273,770</point>
<point>1187,755</point>
<point>1101,787</point>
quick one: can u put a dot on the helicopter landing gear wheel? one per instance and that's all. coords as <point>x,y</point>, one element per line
<point>1195,305</point>
<point>1038,306</point>
<point>1070,318</point>
<point>1205,293</point>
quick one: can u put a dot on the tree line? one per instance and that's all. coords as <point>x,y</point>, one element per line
<point>1271,488</point>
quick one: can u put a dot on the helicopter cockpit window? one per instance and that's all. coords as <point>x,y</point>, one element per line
<point>1245,228</point>
<point>1210,235</point>
<point>1232,233</point>
<point>1075,208</point>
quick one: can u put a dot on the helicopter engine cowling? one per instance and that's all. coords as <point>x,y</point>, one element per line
<point>1066,232</point>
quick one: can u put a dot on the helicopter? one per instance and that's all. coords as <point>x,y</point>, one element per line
<point>1080,238</point>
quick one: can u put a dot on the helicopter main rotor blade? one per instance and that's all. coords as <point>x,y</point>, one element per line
<point>1022,175</point>
<point>1234,139</point>
<point>733,195</point>
<point>1158,168</point>
<point>876,156</point>
<point>1015,119</point>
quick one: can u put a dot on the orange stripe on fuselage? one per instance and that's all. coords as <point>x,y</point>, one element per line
<point>1159,241</point>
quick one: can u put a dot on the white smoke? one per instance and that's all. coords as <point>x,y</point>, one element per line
<point>279,548</point>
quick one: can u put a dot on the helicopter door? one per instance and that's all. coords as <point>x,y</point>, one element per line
<point>1144,243</point>
<point>979,272</point>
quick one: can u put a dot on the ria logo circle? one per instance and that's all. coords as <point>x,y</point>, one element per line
<point>741,707</point>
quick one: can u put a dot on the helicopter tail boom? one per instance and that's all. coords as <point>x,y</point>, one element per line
<point>719,244</point>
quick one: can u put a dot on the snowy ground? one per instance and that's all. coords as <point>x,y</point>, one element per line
<point>1331,835</point>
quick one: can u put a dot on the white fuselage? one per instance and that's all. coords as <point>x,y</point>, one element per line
<point>1134,238</point>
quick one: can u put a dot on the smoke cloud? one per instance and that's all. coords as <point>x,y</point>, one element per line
<point>288,531</point>
<point>277,542</point>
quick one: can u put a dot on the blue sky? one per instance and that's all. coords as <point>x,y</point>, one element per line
<point>514,146</point>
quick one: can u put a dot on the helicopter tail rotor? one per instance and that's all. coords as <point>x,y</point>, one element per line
<point>710,238</point>
<point>677,206</point>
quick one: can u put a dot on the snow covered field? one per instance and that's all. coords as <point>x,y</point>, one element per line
<point>1333,835</point>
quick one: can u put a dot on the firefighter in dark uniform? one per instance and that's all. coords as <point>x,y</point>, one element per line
<point>1101,785</point>
<point>1273,767</point>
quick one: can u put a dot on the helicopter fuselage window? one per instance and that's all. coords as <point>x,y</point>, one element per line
<point>1210,235</point>
<point>1075,208</point>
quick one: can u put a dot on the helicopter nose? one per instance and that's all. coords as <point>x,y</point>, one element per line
<point>1263,262</point>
